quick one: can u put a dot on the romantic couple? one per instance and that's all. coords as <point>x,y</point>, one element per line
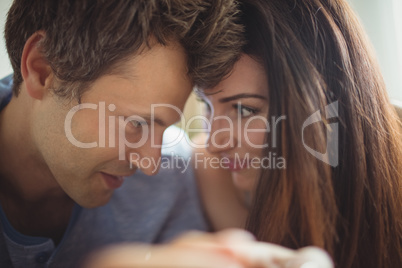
<point>307,62</point>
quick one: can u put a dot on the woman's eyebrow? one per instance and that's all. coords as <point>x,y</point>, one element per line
<point>241,96</point>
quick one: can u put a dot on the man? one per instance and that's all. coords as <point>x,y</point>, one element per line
<point>79,118</point>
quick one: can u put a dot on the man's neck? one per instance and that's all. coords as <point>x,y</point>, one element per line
<point>31,198</point>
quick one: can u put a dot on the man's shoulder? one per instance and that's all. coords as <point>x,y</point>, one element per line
<point>174,177</point>
<point>6,85</point>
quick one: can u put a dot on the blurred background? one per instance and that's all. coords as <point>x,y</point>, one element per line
<point>382,20</point>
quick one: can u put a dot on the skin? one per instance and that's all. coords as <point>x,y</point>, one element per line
<point>42,173</point>
<point>242,97</point>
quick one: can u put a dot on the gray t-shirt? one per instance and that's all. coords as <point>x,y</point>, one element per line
<point>146,209</point>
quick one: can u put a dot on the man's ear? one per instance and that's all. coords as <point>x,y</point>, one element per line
<point>35,70</point>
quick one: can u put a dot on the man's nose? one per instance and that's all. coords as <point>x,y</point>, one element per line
<point>148,156</point>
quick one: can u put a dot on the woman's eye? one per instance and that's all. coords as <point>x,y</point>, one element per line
<point>245,111</point>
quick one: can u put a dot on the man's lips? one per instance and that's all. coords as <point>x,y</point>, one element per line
<point>113,182</point>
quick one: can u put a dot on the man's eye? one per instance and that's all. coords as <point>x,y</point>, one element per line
<point>137,124</point>
<point>245,111</point>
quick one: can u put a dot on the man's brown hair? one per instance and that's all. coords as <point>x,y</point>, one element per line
<point>89,38</point>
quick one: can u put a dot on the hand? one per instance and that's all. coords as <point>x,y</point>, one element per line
<point>232,248</point>
<point>242,246</point>
<point>167,256</point>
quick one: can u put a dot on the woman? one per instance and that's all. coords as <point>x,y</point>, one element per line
<point>339,183</point>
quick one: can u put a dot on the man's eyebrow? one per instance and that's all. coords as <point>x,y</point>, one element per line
<point>156,119</point>
<point>241,96</point>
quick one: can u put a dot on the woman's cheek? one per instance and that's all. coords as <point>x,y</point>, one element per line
<point>253,136</point>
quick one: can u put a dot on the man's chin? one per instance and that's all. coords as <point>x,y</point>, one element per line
<point>94,202</point>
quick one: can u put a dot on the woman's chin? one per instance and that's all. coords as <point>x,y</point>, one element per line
<point>244,182</point>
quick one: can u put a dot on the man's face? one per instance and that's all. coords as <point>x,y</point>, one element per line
<point>88,150</point>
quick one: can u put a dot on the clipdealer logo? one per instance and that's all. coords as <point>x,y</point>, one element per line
<point>331,155</point>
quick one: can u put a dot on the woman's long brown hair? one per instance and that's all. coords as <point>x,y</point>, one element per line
<point>316,54</point>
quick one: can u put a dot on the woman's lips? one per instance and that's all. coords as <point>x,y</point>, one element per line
<point>113,182</point>
<point>234,164</point>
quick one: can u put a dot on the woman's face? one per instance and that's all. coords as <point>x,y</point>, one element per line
<point>237,108</point>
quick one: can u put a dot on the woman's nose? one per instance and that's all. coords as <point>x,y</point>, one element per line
<point>222,136</point>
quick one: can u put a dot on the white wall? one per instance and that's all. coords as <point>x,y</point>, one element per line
<point>5,66</point>
<point>381,19</point>
<point>383,23</point>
